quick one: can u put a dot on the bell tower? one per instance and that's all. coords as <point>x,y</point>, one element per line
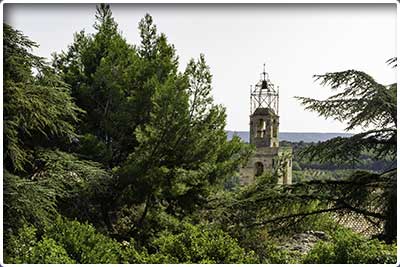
<point>264,135</point>
<point>264,118</point>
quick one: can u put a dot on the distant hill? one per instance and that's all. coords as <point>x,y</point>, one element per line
<point>293,137</point>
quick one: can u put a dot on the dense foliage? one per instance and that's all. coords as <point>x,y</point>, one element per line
<point>112,155</point>
<point>348,247</point>
<point>364,103</point>
<point>200,244</point>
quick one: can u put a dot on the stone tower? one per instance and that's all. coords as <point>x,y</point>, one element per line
<point>264,135</point>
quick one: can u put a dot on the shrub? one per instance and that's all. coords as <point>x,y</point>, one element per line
<point>199,244</point>
<point>349,247</point>
<point>83,243</point>
<point>70,242</point>
<point>24,248</point>
<point>267,248</point>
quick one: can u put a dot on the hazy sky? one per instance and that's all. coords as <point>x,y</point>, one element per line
<point>295,42</point>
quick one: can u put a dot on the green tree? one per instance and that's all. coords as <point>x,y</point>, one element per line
<point>114,135</point>
<point>182,154</point>
<point>38,109</point>
<point>362,103</point>
<point>365,103</point>
<point>114,83</point>
<point>96,67</point>
<point>158,129</point>
<point>39,114</point>
<point>40,179</point>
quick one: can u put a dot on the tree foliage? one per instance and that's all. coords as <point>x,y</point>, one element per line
<point>347,247</point>
<point>199,244</point>
<point>38,109</point>
<point>40,119</point>
<point>67,241</point>
<point>373,107</point>
<point>364,103</point>
<point>182,151</point>
<point>97,67</point>
<point>25,248</point>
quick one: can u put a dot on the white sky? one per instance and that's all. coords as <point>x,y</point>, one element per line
<point>295,41</point>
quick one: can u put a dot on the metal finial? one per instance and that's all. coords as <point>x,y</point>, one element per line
<point>264,84</point>
<point>264,73</point>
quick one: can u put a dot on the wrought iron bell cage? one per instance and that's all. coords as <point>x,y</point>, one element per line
<point>264,95</point>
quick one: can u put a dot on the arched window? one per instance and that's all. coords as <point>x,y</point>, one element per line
<point>261,128</point>
<point>259,168</point>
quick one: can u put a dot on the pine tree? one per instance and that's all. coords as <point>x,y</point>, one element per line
<point>40,120</point>
<point>114,83</point>
<point>183,154</point>
<point>38,109</point>
<point>372,106</point>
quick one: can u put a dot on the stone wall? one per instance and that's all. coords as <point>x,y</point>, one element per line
<point>269,157</point>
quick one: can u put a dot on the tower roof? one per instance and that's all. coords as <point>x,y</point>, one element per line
<point>264,111</point>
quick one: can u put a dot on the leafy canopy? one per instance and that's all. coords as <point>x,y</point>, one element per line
<point>38,109</point>
<point>364,103</point>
